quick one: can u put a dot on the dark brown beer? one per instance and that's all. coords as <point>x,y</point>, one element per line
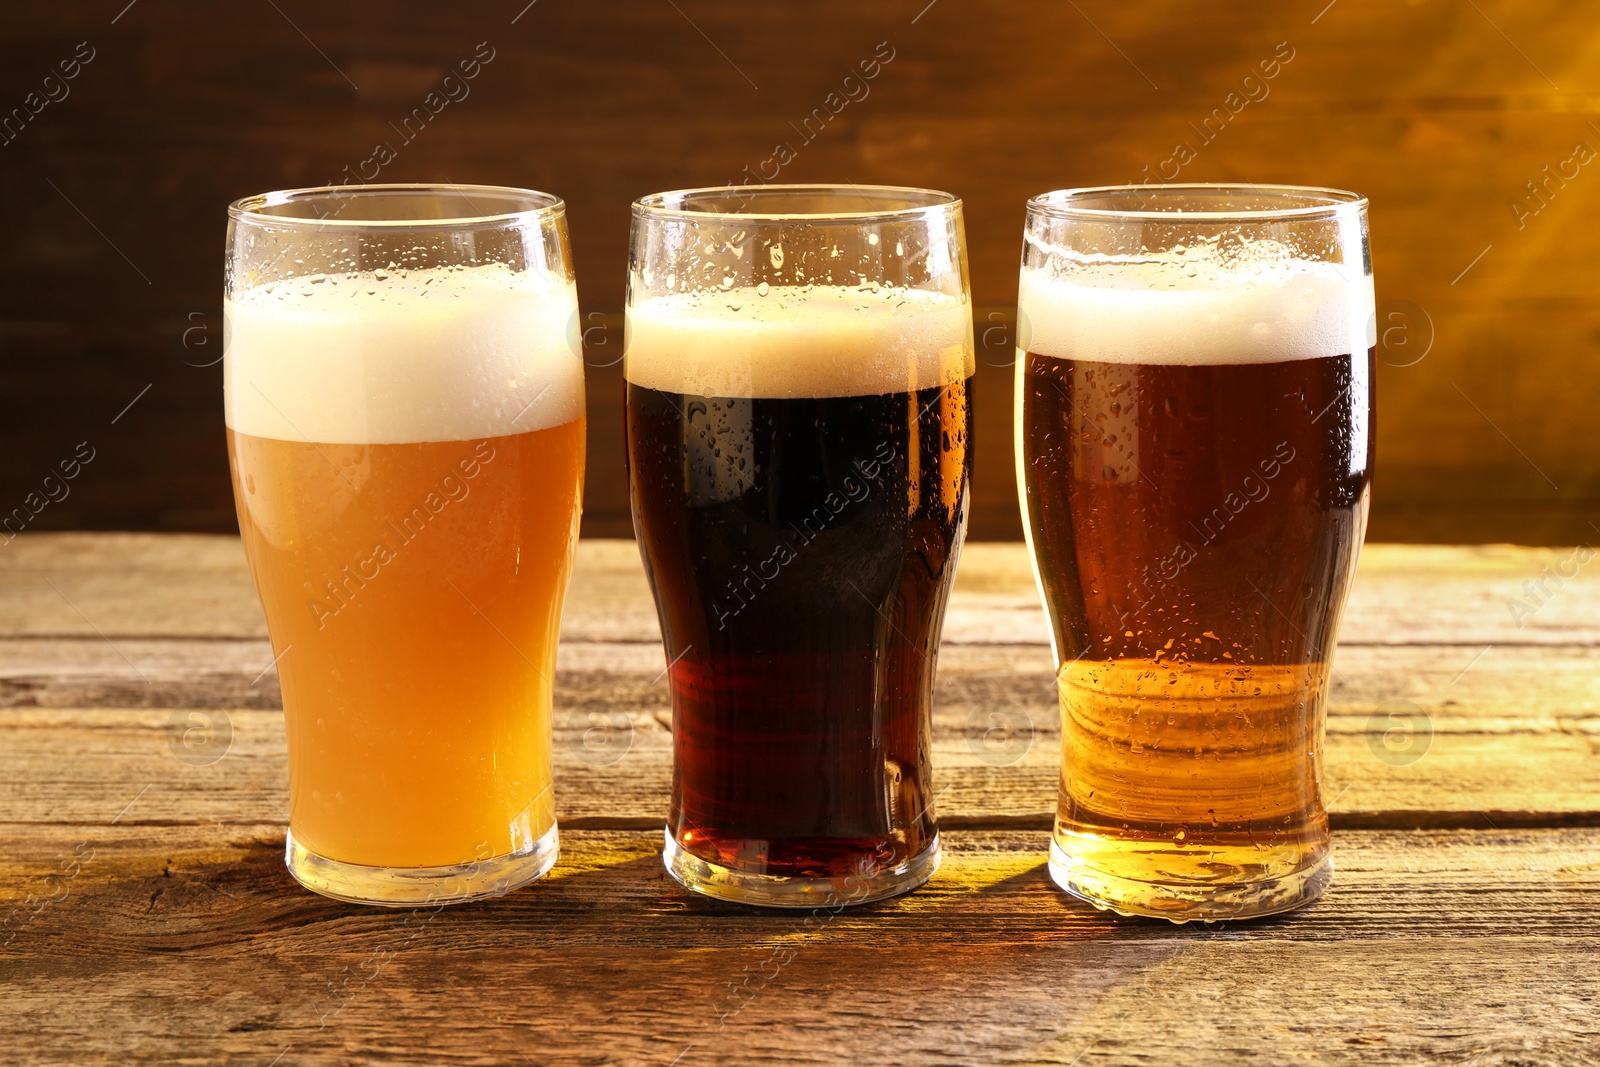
<point>802,617</point>
<point>801,549</point>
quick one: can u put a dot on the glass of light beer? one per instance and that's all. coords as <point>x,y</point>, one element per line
<point>1194,426</point>
<point>405,422</point>
<point>799,365</point>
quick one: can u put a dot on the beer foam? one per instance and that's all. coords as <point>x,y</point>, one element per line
<point>1182,312</point>
<point>447,354</point>
<point>812,341</point>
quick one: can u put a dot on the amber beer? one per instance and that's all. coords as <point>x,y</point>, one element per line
<point>407,452</point>
<point>1194,449</point>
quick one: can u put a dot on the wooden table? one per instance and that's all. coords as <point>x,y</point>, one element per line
<point>148,917</point>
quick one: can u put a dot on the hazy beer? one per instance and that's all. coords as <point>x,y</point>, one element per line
<point>407,449</point>
<point>1194,443</point>
<point>799,459</point>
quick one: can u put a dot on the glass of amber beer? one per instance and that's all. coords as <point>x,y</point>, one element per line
<point>406,433</point>
<point>1194,453</point>
<point>799,363</point>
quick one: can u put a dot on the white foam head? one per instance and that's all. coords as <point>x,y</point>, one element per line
<point>1263,307</point>
<point>812,341</point>
<point>447,354</point>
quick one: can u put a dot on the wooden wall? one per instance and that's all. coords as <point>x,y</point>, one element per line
<point>112,195</point>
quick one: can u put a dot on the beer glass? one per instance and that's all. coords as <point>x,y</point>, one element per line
<point>1194,453</point>
<point>799,368</point>
<point>406,433</point>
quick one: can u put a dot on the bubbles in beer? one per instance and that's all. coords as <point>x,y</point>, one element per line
<point>1194,451</point>
<point>799,460</point>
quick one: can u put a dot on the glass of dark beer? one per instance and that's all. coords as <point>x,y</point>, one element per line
<point>1194,448</point>
<point>799,366</point>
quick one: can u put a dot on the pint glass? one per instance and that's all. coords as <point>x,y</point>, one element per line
<point>1194,452</point>
<point>406,432</point>
<point>799,366</point>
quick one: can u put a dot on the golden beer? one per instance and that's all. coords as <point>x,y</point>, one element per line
<point>417,655</point>
<point>407,449</point>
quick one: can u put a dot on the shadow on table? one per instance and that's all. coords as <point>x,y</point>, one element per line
<point>605,953</point>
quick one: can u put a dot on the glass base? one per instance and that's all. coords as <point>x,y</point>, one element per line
<point>1189,901</point>
<point>406,887</point>
<point>777,891</point>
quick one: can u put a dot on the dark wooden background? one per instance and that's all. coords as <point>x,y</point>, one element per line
<point>111,198</point>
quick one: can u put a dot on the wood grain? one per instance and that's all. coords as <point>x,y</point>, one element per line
<point>187,944</point>
<point>145,915</point>
<point>158,586</point>
<point>1441,113</point>
<point>1485,752</point>
<point>181,609</point>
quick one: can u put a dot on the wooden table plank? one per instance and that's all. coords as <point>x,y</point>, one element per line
<point>1492,752</point>
<point>137,672</point>
<point>163,929</point>
<point>187,944</point>
<point>127,585</point>
<point>1547,686</point>
<point>190,585</point>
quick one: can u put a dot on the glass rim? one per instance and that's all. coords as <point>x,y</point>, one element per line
<point>1299,202</point>
<point>538,206</point>
<point>915,202</point>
